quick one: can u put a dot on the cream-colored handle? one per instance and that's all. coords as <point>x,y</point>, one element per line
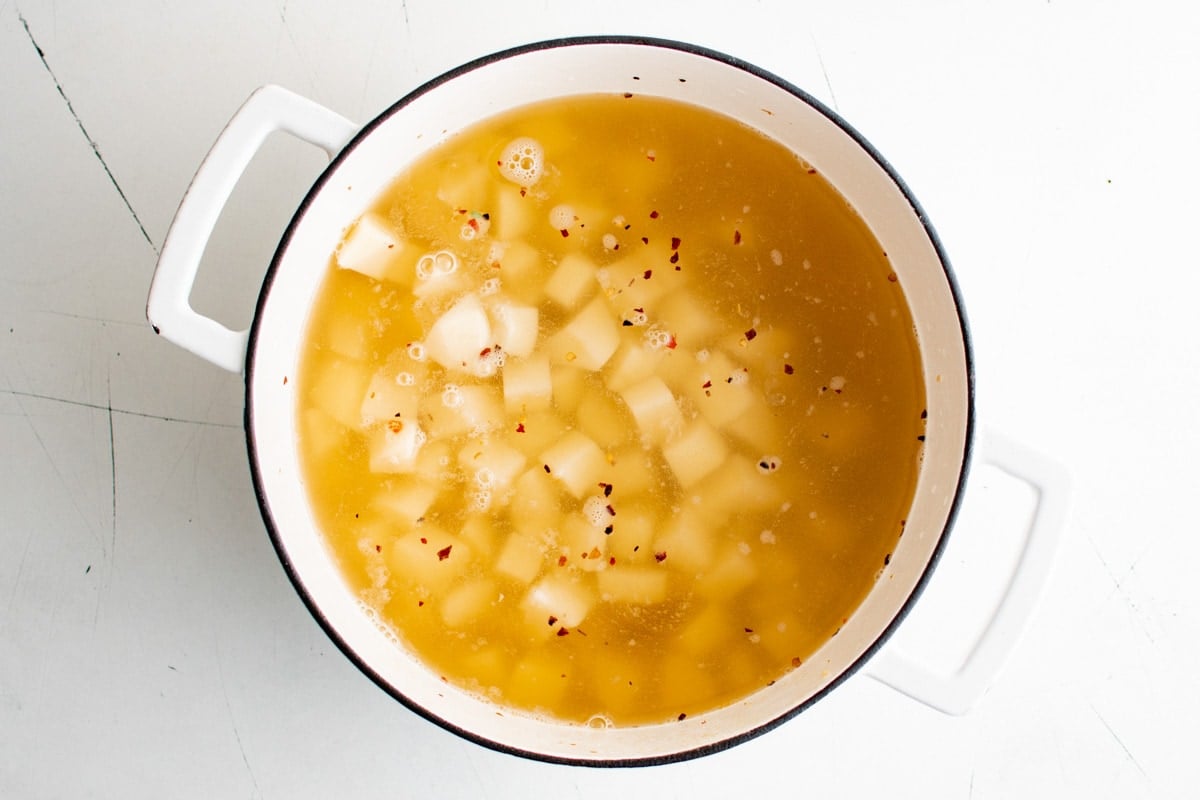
<point>168,307</point>
<point>958,692</point>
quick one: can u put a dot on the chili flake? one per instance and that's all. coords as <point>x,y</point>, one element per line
<point>788,369</point>
<point>562,561</point>
<point>607,487</point>
<point>444,553</point>
<point>750,334</point>
<point>608,529</point>
<point>646,275</point>
<point>562,632</point>
<point>660,556</point>
<point>675,257</point>
<point>682,717</point>
<point>675,242</point>
<point>565,233</point>
<point>424,540</point>
<point>653,215</point>
<point>553,619</point>
<point>547,468</point>
<point>707,385</point>
<point>737,236</point>
<point>612,512</point>
<point>672,344</point>
<point>378,549</point>
<point>796,661</point>
<point>520,427</point>
<point>395,425</point>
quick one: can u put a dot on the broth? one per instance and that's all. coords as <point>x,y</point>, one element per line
<point>611,409</point>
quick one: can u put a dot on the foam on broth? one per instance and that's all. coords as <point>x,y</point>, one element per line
<point>611,409</point>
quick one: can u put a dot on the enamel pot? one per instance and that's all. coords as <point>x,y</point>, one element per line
<point>365,160</point>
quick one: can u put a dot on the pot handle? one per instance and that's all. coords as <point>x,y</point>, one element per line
<point>957,693</point>
<point>268,109</point>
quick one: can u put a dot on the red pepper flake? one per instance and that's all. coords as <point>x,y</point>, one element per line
<point>707,385</point>
<point>649,156</point>
<point>607,487</point>
<point>420,603</point>
<point>646,275</point>
<point>473,224</point>
<point>612,560</point>
<point>640,310</point>
<point>378,549</point>
<point>788,369</point>
<point>887,559</point>
<point>520,427</point>
<point>562,561</point>
<point>553,619</point>
<point>395,425</point>
<point>562,632</point>
<point>547,468</point>
<point>612,512</point>
<point>681,717</point>
<point>812,170</point>
<point>523,190</point>
<point>653,215</point>
<point>628,95</point>
<point>675,257</point>
<point>660,556</point>
<point>892,277</point>
<point>671,345</point>
<point>424,540</point>
<point>645,240</point>
<point>565,233</point>
<point>594,554</point>
<point>626,323</point>
<point>285,380</point>
<point>748,630</point>
<point>444,553</point>
<point>750,334</point>
<point>608,530</point>
<point>737,237</point>
<point>921,438</point>
<point>796,661</point>
<point>675,242</point>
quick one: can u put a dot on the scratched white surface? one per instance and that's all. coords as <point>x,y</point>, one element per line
<point>150,645</point>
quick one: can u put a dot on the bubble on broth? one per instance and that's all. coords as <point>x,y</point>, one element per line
<point>430,265</point>
<point>405,379</point>
<point>599,721</point>
<point>595,508</point>
<point>562,216</point>
<point>416,351</point>
<point>452,396</point>
<point>523,161</point>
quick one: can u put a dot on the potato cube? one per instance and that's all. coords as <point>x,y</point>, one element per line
<point>740,485</point>
<point>635,471</point>
<point>373,248</point>
<point>721,389</point>
<point>386,398</point>
<point>642,278</point>
<point>462,409</point>
<point>730,572</point>
<point>429,558</point>
<point>589,339</point>
<point>393,445</point>
<point>577,462</point>
<point>638,585</point>
<point>458,336</point>
<point>527,385</point>
<point>466,603</point>
<point>536,505</point>
<point>514,327</point>
<point>696,453</point>
<point>687,542</point>
<point>406,500</point>
<point>572,281</point>
<point>655,409</point>
<point>584,544</point>
<point>533,433</point>
<point>603,418</point>
<point>479,531</point>
<point>522,557</point>
<point>516,212</point>
<point>464,185</point>
<point>565,598</point>
<point>568,385</point>
<point>633,362</point>
<point>338,391</point>
<point>322,433</point>
<point>491,465</point>
<point>691,319</point>
<point>521,268</point>
<point>540,679</point>
<point>346,335</point>
<point>708,631</point>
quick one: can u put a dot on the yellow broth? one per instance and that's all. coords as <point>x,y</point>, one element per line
<point>611,409</point>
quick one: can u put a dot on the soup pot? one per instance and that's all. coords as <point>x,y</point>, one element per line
<point>366,159</point>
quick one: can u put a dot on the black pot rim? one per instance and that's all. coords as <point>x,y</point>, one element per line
<point>252,448</point>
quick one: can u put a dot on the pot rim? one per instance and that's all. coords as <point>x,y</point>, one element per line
<point>320,184</point>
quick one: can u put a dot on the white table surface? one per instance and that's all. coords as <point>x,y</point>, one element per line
<point>150,644</point>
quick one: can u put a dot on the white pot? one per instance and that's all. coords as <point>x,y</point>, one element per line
<point>367,159</point>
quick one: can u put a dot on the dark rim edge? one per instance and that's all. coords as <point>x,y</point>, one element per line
<point>252,449</point>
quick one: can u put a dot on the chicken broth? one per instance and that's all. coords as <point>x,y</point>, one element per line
<point>611,409</point>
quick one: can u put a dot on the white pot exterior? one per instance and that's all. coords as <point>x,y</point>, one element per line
<point>382,150</point>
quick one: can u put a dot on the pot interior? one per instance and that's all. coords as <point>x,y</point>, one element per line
<point>513,79</point>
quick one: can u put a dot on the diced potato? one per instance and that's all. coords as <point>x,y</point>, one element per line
<point>458,337</point>
<point>338,391</point>
<point>527,385</point>
<point>406,500</point>
<point>577,462</point>
<point>638,585</point>
<point>633,362</point>
<point>683,680</point>
<point>708,631</point>
<point>520,270</point>
<point>584,544</point>
<point>695,454</point>
<point>635,525</point>
<point>429,558</point>
<point>457,409</point>
<point>321,431</point>
<point>492,465</point>
<point>533,433</point>
<point>488,667</point>
<point>467,602</point>
<point>572,281</point>
<point>643,277</point>
<point>721,389</point>
<point>479,531</point>
<point>464,185</point>
<point>760,426</point>
<point>373,248</point>
<point>566,598</point>
<point>346,335</point>
<point>602,417</point>
<point>568,385</point>
<point>515,213</point>
<point>393,445</point>
<point>438,286</point>
<point>536,505</point>
<point>655,409</point>
<point>739,485</point>
<point>634,471</point>
<point>386,398</point>
<point>687,542</point>
<point>522,557</point>
<point>589,339</point>
<point>731,571</point>
<point>618,680</point>
<point>514,327</point>
<point>692,319</point>
<point>434,462</point>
